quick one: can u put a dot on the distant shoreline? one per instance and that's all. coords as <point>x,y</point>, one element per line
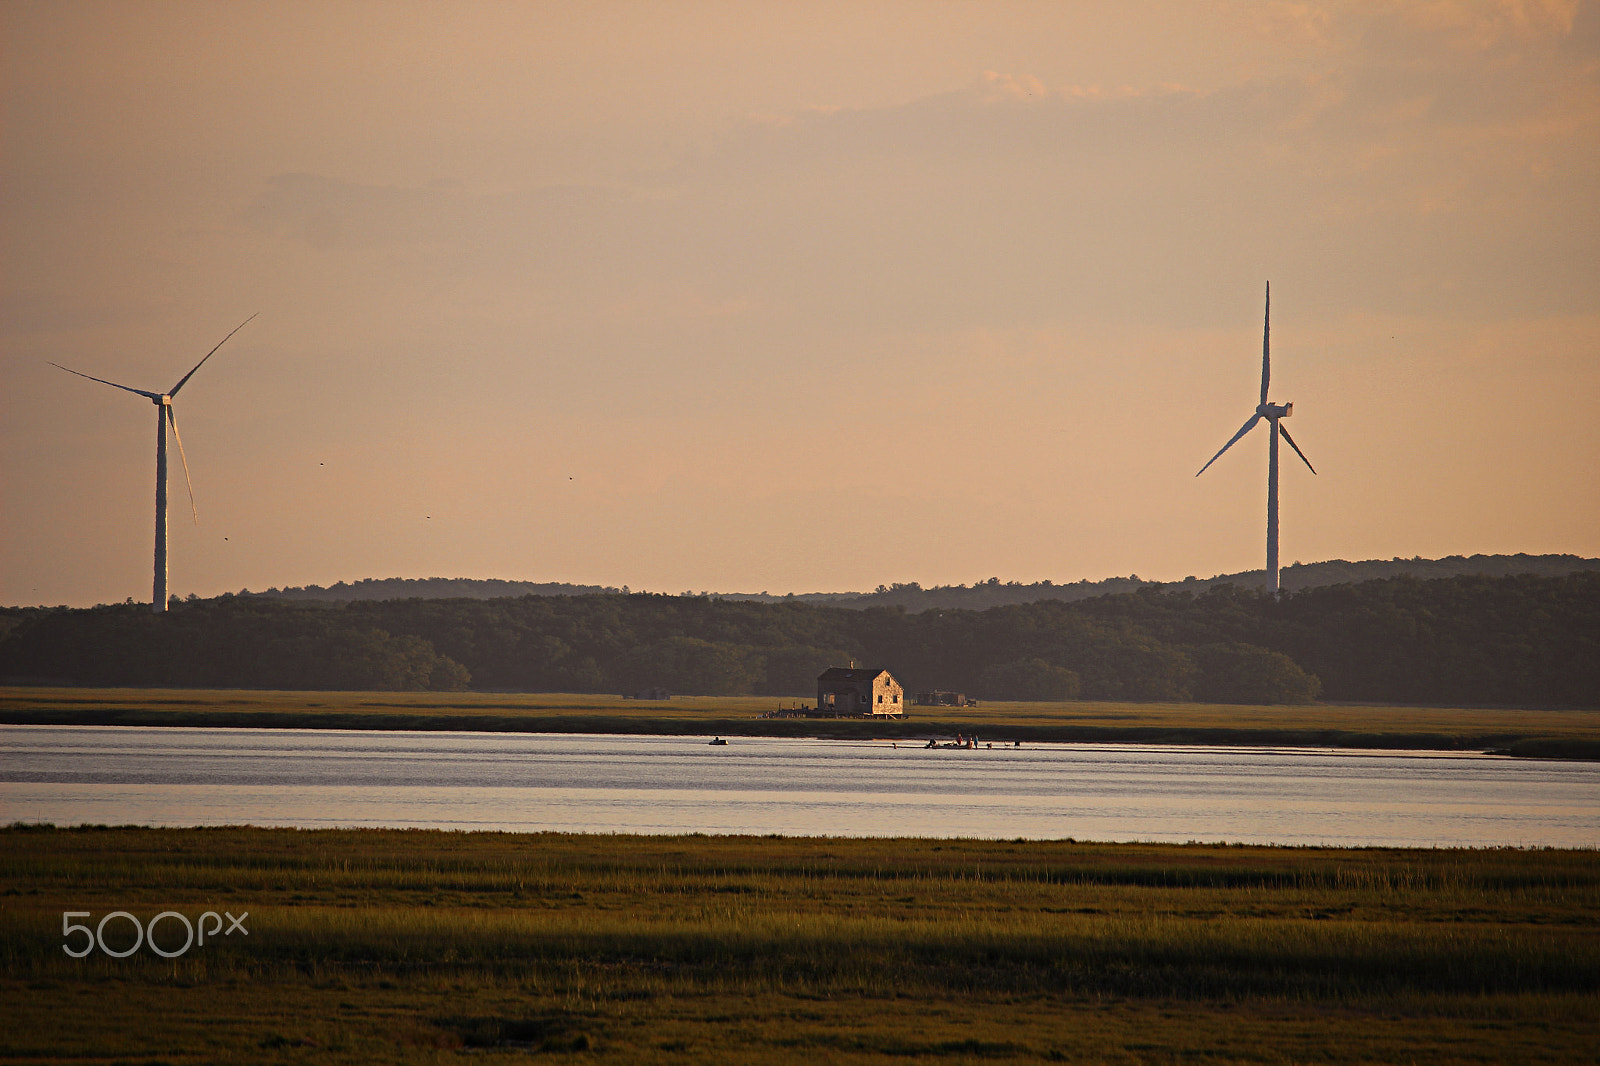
<point>1313,727</point>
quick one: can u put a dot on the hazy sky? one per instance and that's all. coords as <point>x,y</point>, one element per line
<point>792,296</point>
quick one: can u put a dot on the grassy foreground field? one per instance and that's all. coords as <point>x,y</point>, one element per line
<point>369,946</point>
<point>1537,733</point>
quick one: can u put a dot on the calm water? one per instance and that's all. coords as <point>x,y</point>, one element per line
<point>629,784</point>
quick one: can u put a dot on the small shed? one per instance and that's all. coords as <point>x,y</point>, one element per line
<point>867,690</point>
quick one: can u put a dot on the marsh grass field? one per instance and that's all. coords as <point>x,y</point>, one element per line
<point>370,946</point>
<point>1573,733</point>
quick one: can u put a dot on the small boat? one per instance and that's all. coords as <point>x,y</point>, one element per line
<point>718,742</point>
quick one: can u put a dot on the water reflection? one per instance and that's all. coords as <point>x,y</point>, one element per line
<point>629,784</point>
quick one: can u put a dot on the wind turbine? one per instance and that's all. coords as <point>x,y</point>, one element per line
<point>164,415</point>
<point>1272,413</point>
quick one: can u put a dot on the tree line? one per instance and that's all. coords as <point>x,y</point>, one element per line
<point>980,594</point>
<point>1518,640</point>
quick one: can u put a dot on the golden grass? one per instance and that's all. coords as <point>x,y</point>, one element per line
<point>561,710</point>
<point>395,946</point>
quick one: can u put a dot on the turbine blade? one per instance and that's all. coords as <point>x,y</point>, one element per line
<point>1246,428</point>
<point>1266,346</point>
<point>1296,448</point>
<point>174,390</point>
<point>103,381</point>
<point>172,420</point>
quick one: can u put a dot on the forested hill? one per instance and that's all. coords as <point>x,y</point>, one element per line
<point>432,588</point>
<point>977,596</point>
<point>1521,641</point>
<point>1297,577</point>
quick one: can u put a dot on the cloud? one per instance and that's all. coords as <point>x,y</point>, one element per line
<point>1436,158</point>
<point>328,213</point>
<point>1470,26</point>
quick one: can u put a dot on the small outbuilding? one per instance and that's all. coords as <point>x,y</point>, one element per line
<point>856,690</point>
<point>945,699</point>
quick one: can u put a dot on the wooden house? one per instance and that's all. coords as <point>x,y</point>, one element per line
<point>860,690</point>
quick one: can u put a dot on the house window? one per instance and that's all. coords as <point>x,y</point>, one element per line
<point>880,697</point>
<point>897,697</point>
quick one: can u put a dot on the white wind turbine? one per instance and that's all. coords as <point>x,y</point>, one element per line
<point>1272,413</point>
<point>164,415</point>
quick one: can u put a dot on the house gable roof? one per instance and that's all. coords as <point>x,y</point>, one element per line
<point>848,674</point>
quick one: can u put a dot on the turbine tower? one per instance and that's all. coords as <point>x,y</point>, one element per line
<point>164,415</point>
<point>1272,413</point>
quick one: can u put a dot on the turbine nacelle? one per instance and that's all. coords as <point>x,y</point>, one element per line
<point>1275,411</point>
